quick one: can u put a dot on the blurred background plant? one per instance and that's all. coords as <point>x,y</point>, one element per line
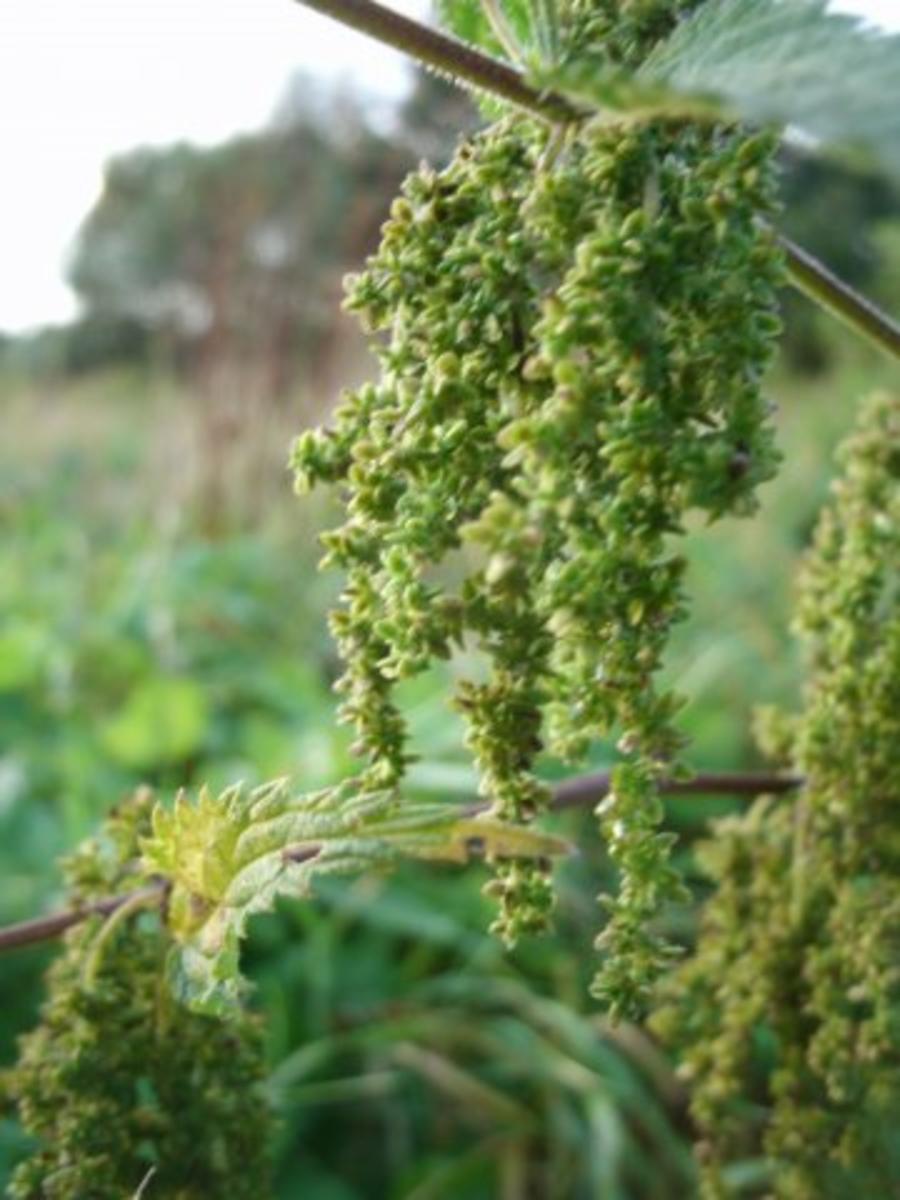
<point>161,621</point>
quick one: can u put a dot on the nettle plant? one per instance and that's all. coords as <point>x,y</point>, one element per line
<point>573,321</point>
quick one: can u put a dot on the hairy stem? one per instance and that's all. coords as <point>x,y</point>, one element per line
<point>42,929</point>
<point>446,55</point>
<point>584,790</point>
<point>579,792</point>
<point>815,280</point>
<point>464,65</point>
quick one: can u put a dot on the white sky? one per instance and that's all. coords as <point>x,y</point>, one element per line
<point>83,79</point>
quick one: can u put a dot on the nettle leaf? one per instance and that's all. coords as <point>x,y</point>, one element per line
<point>232,855</point>
<point>827,76</point>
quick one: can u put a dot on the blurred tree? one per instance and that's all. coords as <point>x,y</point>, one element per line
<point>234,254</point>
<point>91,341</point>
<point>228,260</point>
<point>231,252</point>
<point>432,118</point>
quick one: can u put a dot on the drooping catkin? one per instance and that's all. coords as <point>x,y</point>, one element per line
<point>572,343</point>
<point>118,1079</point>
<point>791,1000</point>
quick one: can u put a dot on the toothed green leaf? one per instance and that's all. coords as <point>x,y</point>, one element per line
<point>827,76</point>
<point>230,856</point>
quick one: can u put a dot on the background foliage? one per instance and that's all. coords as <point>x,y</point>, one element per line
<point>161,621</point>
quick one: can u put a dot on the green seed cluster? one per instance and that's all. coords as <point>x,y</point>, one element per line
<point>622,32</point>
<point>456,286</point>
<point>572,347</point>
<point>793,996</point>
<point>118,1078</point>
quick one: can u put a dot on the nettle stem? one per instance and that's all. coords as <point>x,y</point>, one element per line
<point>816,281</point>
<point>581,791</point>
<point>448,56</point>
<point>584,790</point>
<point>44,929</point>
<point>464,65</point>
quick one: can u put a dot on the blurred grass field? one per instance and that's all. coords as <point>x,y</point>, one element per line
<point>162,622</point>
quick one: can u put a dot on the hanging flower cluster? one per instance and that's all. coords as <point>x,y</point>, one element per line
<point>572,346</point>
<point>792,998</point>
<point>120,1083</point>
<point>620,32</point>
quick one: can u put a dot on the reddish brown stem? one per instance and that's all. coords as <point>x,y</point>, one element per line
<point>450,57</point>
<point>42,929</point>
<point>580,792</point>
<point>584,790</point>
<point>464,64</point>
